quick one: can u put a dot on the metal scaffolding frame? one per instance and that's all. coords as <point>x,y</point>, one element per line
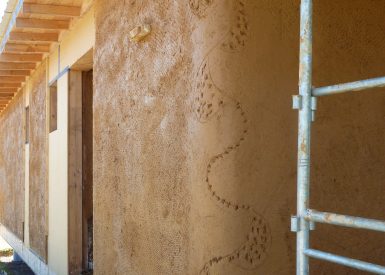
<point>306,103</point>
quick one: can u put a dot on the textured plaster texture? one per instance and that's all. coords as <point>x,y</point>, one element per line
<point>38,196</point>
<point>195,139</point>
<point>12,166</point>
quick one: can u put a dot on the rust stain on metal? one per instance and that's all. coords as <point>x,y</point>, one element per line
<point>328,217</point>
<point>303,147</point>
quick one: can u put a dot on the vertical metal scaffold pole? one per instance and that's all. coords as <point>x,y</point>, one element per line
<point>306,104</point>
<point>304,125</point>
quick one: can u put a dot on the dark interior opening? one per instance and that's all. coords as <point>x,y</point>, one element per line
<point>87,181</point>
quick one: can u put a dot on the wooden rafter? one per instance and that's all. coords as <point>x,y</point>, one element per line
<point>6,95</point>
<point>71,11</point>
<point>33,23</point>
<point>29,39</point>
<point>17,57</point>
<point>33,37</point>
<point>15,72</point>
<point>12,79</point>
<point>17,66</point>
<point>9,85</point>
<point>26,48</point>
<point>8,90</point>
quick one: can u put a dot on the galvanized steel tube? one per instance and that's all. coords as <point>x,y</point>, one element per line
<point>343,220</point>
<point>350,87</point>
<point>304,124</point>
<point>360,265</point>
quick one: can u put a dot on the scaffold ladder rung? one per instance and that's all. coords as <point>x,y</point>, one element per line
<point>306,103</point>
<point>350,87</point>
<point>357,264</point>
<point>344,220</point>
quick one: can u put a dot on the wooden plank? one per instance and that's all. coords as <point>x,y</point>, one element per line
<point>8,90</point>
<point>52,110</point>
<point>31,8</point>
<point>33,23</point>
<point>27,48</point>
<point>7,96</point>
<point>33,37</point>
<point>15,72</point>
<point>75,172</point>
<point>16,57</point>
<point>10,85</point>
<point>17,66</point>
<point>12,79</point>
<point>85,63</point>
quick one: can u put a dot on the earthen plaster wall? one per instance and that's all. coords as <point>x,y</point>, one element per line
<point>195,139</point>
<point>12,166</point>
<point>38,170</point>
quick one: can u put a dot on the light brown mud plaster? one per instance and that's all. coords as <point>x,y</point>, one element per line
<point>38,164</point>
<point>169,140</point>
<point>12,166</point>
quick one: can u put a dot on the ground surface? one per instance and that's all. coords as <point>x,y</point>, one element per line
<point>14,268</point>
<point>18,268</point>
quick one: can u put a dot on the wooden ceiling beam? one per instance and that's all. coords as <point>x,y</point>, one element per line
<point>6,95</point>
<point>33,37</point>
<point>12,79</point>
<point>8,90</point>
<point>15,72</point>
<point>10,85</point>
<point>42,9</point>
<point>33,23</point>
<point>27,48</point>
<point>16,57</point>
<point>17,66</point>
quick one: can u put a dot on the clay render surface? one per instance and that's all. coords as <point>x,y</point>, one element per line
<point>38,164</point>
<point>195,138</point>
<point>12,166</point>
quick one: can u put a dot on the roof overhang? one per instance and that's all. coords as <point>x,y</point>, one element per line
<point>28,31</point>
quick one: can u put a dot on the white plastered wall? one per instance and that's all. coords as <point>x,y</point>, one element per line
<point>74,45</point>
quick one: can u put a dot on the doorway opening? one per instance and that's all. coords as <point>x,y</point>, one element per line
<point>80,166</point>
